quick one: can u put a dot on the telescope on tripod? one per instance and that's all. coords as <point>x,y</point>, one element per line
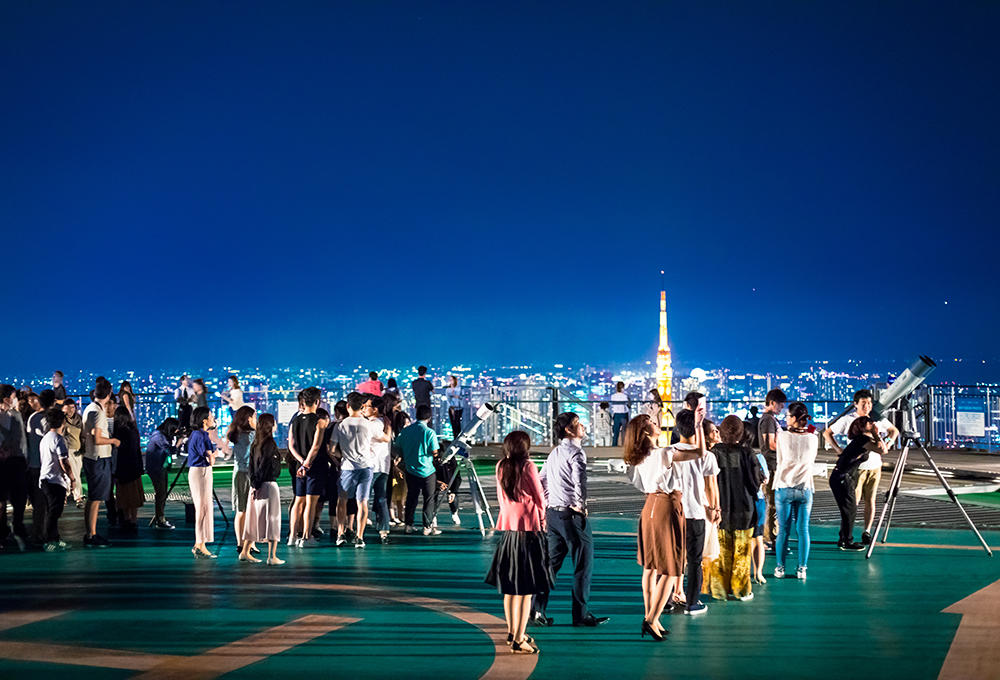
<point>459,451</point>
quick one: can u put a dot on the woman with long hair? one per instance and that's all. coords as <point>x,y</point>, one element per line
<point>129,493</point>
<point>126,396</point>
<point>520,567</point>
<point>263,521</point>
<point>240,435</point>
<point>793,486</point>
<point>661,524</point>
<point>383,467</point>
<point>233,396</point>
<point>654,408</point>
<point>400,419</point>
<point>739,479</point>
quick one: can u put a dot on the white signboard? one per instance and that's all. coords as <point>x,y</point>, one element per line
<point>287,409</point>
<point>971,423</point>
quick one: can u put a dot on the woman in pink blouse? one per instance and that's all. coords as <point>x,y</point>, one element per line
<point>520,566</point>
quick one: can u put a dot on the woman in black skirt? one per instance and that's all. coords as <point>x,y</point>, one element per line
<point>520,566</point>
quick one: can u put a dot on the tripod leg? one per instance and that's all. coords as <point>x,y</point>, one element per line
<point>895,492</point>
<point>483,503</point>
<point>890,499</point>
<point>954,499</point>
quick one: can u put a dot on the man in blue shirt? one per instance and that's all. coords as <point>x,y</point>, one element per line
<point>418,444</point>
<point>564,479</point>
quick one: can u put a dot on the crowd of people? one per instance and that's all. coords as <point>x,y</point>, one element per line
<point>717,497</point>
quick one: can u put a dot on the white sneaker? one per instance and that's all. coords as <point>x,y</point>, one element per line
<point>779,572</point>
<point>432,531</point>
<point>299,543</point>
<point>292,541</point>
<point>800,573</point>
<point>341,540</point>
<point>455,519</point>
<point>745,598</point>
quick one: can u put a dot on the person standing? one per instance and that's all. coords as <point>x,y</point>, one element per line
<point>233,396</point>
<point>38,427</point>
<point>184,396</point>
<point>700,500</point>
<point>619,412</point>
<point>739,480</point>
<point>354,438</point>
<point>653,471</point>
<point>382,450</point>
<point>564,479</point>
<point>72,433</point>
<point>520,566</point>
<point>129,494</point>
<point>768,430</point>
<point>97,444</point>
<point>263,521</point>
<point>13,465</point>
<point>372,386</point>
<point>158,452</point>
<point>870,471</point>
<point>455,406</point>
<point>240,435</point>
<point>422,388</point>
<point>654,408</point>
<point>602,425</point>
<point>200,398</point>
<point>201,457</point>
<point>311,477</point>
<point>864,440</point>
<point>56,477</point>
<point>58,387</point>
<point>418,444</point>
<point>793,486</point>
<point>126,397</point>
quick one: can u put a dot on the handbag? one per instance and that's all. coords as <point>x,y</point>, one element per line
<point>712,548</point>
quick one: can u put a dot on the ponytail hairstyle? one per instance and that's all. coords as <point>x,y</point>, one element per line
<point>516,447</point>
<point>637,442</point>
<point>798,413</point>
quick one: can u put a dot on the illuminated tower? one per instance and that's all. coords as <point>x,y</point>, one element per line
<point>664,371</point>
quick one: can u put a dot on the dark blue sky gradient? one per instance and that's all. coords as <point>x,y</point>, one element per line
<point>327,183</point>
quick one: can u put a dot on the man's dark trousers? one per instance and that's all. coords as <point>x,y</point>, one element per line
<point>569,533</point>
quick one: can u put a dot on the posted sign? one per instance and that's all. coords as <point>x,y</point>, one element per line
<point>971,424</point>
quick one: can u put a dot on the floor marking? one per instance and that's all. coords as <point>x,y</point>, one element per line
<point>249,650</point>
<point>975,651</point>
<point>204,666</point>
<point>16,619</point>
<point>506,666</point>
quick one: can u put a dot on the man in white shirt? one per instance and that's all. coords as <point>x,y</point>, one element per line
<point>353,438</point>
<point>619,413</point>
<point>701,503</point>
<point>870,471</point>
<point>97,445</point>
<point>55,478</point>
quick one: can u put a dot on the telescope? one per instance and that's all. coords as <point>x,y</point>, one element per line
<point>903,386</point>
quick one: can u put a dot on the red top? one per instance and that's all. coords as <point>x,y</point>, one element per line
<point>528,512</point>
<point>371,387</point>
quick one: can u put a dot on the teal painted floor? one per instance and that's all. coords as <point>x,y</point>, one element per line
<point>852,618</point>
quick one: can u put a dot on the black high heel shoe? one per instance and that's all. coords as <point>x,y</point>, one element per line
<point>527,638</point>
<point>657,637</point>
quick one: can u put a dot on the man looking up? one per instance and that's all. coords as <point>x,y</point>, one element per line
<point>564,480</point>
<point>870,471</point>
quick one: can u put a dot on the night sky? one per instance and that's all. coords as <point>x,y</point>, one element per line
<point>335,183</point>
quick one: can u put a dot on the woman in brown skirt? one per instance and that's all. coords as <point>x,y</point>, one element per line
<point>661,525</point>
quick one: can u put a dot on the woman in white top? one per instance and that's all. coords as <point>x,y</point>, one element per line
<point>793,486</point>
<point>383,466</point>
<point>661,524</point>
<point>654,408</point>
<point>233,395</point>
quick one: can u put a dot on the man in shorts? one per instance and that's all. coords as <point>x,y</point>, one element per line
<point>97,461</point>
<point>353,438</point>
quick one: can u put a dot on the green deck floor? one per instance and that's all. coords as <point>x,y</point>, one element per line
<point>852,618</point>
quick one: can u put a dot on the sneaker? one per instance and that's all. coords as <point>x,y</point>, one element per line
<point>800,573</point>
<point>409,529</point>
<point>850,546</point>
<point>308,543</point>
<point>359,542</point>
<point>318,532</point>
<point>299,542</point>
<point>99,541</point>
<point>455,519</point>
<point>866,538</point>
<point>51,546</point>
<point>292,541</point>
<point>779,572</point>
<point>696,609</point>
<point>384,538</point>
<point>341,540</point>
<point>432,531</point>
<point>745,598</point>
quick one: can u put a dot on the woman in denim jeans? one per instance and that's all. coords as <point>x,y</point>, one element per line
<point>793,486</point>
